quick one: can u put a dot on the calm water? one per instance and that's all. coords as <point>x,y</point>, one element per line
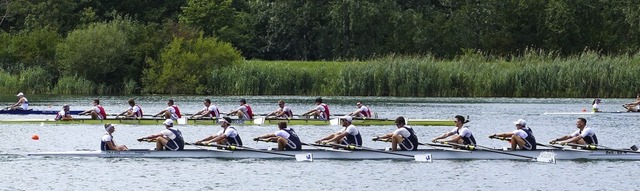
<point>488,116</point>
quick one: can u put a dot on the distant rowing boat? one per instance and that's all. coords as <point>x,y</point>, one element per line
<point>593,113</point>
<point>257,121</point>
<point>34,112</point>
<point>353,155</point>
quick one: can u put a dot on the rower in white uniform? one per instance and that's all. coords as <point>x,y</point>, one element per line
<point>244,111</point>
<point>169,139</point>
<point>633,106</point>
<point>521,138</point>
<point>209,110</point>
<point>283,112</point>
<point>286,138</point>
<point>403,136</point>
<point>362,111</point>
<point>596,105</point>
<point>228,135</point>
<point>321,111</point>
<point>134,110</point>
<point>461,134</point>
<point>171,112</point>
<point>348,135</point>
<point>97,112</point>
<point>64,114</point>
<point>22,104</point>
<point>107,143</point>
<point>583,136</point>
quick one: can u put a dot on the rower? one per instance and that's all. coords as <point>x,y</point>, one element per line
<point>134,110</point>
<point>522,137</point>
<point>362,111</point>
<point>595,105</point>
<point>403,136</point>
<point>64,114</point>
<point>583,136</point>
<point>283,112</point>
<point>462,133</point>
<point>107,143</point>
<point>321,111</point>
<point>97,112</point>
<point>349,135</point>
<point>209,110</point>
<point>244,111</point>
<point>168,139</point>
<point>286,138</point>
<point>171,112</point>
<point>228,135</point>
<point>633,106</point>
<point>22,104</point>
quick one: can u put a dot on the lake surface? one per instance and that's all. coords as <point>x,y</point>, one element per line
<point>487,115</point>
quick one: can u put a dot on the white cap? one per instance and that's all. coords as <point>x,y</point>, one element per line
<point>348,118</point>
<point>20,94</point>
<point>109,127</point>
<point>168,122</point>
<point>520,122</point>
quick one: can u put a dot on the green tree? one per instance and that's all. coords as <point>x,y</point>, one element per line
<point>185,65</point>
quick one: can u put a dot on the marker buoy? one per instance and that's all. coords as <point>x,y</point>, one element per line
<point>584,110</point>
<point>35,137</point>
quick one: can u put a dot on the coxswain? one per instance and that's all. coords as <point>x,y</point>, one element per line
<point>64,114</point>
<point>107,143</point>
<point>595,105</point>
<point>244,111</point>
<point>348,135</point>
<point>362,111</point>
<point>168,139</point>
<point>171,112</point>
<point>209,110</point>
<point>521,138</point>
<point>283,112</point>
<point>22,104</point>
<point>583,136</point>
<point>403,136</point>
<point>228,135</point>
<point>461,134</point>
<point>97,112</point>
<point>286,138</point>
<point>321,111</point>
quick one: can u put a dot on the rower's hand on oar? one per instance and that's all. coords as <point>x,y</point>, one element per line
<point>493,136</point>
<point>434,140</point>
<point>375,138</point>
<point>256,139</point>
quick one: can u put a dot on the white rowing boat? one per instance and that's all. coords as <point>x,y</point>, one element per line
<point>355,155</point>
<point>593,113</point>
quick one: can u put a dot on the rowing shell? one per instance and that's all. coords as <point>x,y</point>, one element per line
<point>355,155</point>
<point>35,112</point>
<point>258,121</point>
<point>593,113</point>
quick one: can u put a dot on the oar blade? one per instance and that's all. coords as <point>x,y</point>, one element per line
<point>548,157</point>
<point>423,158</point>
<point>335,121</point>
<point>304,157</point>
<point>182,120</point>
<point>258,120</point>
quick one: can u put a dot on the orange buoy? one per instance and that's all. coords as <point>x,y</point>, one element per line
<point>35,137</point>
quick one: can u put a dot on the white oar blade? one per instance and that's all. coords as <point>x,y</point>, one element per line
<point>548,157</point>
<point>304,157</point>
<point>258,120</point>
<point>423,158</point>
<point>335,121</point>
<point>182,120</point>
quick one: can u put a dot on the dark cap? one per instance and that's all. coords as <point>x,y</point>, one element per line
<point>319,100</point>
<point>400,120</point>
<point>243,100</point>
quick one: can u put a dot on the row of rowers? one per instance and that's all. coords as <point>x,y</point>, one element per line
<point>403,138</point>
<point>320,111</point>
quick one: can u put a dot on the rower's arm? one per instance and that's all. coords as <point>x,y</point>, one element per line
<point>508,134</point>
<point>206,139</point>
<point>338,136</point>
<point>218,138</point>
<point>326,138</point>
<point>572,139</point>
<point>386,136</point>
<point>152,136</point>
<point>85,112</point>
<point>562,138</point>
<point>445,135</point>
<point>160,113</point>
<point>309,112</point>
<point>111,145</point>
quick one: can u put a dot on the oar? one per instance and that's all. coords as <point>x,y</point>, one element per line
<point>420,157</point>
<point>544,145</point>
<point>325,147</point>
<point>434,146</point>
<point>298,157</point>
<point>203,148</point>
<point>543,157</point>
<point>600,147</point>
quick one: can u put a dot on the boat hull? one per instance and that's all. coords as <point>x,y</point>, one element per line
<point>354,155</point>
<point>159,121</point>
<point>35,112</point>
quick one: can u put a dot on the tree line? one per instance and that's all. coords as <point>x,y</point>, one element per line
<point>177,46</point>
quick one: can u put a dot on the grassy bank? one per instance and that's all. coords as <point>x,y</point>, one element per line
<point>473,75</point>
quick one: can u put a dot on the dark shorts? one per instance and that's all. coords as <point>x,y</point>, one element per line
<point>171,145</point>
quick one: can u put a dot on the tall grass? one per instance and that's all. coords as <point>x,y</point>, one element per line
<point>74,85</point>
